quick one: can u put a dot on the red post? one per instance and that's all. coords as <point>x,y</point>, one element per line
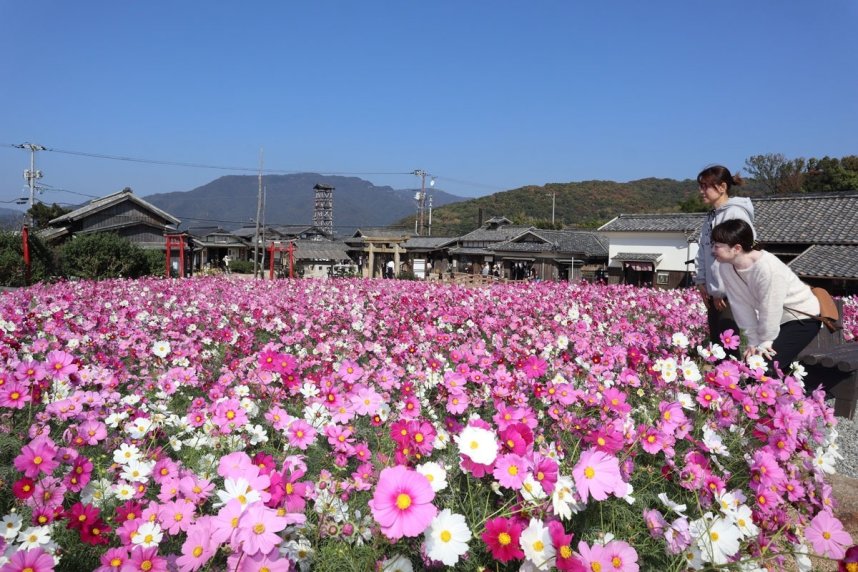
<point>25,236</point>
<point>177,241</point>
<point>271,250</point>
<point>182,256</point>
<point>168,246</point>
<point>291,251</point>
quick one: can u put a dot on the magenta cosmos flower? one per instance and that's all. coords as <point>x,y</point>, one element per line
<point>502,538</point>
<point>35,560</point>
<point>37,457</point>
<point>402,503</point>
<point>598,474</point>
<point>827,537</point>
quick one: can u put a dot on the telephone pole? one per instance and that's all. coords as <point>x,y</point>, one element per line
<point>31,175</point>
<point>258,216</point>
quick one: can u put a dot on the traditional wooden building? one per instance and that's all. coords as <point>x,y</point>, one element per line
<point>473,250</point>
<point>122,213</point>
<point>566,255</point>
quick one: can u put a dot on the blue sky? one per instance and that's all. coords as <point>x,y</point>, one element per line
<point>486,96</point>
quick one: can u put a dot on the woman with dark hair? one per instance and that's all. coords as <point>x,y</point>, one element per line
<point>716,184</point>
<point>770,303</point>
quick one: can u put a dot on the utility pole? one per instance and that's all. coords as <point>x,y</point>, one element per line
<point>553,198</point>
<point>258,216</point>
<point>421,201</point>
<point>31,175</point>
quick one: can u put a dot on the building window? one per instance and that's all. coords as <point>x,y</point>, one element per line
<point>662,278</point>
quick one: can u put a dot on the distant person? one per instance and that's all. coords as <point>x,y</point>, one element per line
<point>226,261</point>
<point>770,303</point>
<point>390,266</point>
<point>485,271</point>
<point>716,184</point>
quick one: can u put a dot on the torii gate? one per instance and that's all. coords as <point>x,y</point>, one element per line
<point>277,248</point>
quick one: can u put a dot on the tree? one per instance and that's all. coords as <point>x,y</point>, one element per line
<point>829,175</point>
<point>42,213</point>
<point>103,255</point>
<point>778,174</point>
<point>12,272</point>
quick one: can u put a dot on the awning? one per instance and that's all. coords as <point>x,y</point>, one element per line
<point>639,266</point>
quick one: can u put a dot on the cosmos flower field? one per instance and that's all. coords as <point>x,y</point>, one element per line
<point>216,424</point>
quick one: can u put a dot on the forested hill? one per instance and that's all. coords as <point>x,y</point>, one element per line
<point>585,204</point>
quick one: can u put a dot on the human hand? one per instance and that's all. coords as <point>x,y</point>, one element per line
<point>707,299</point>
<point>765,349</point>
<point>720,303</point>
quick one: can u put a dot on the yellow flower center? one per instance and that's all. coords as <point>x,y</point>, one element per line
<point>37,460</point>
<point>565,551</point>
<point>714,536</point>
<point>474,445</point>
<point>418,437</point>
<point>146,565</point>
<point>589,472</point>
<point>259,528</point>
<point>826,535</point>
<point>538,546</point>
<point>446,536</point>
<point>403,501</point>
<point>512,470</point>
<point>116,562</point>
<point>616,562</point>
<point>504,539</point>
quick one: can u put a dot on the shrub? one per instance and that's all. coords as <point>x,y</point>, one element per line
<point>42,264</point>
<point>102,255</point>
<point>241,266</point>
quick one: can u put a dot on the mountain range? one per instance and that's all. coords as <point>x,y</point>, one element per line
<point>230,202</point>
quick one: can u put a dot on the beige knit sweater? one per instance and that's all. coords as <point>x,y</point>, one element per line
<point>760,295</point>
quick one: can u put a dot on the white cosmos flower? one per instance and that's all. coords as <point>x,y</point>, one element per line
<point>435,473</point>
<point>677,508</point>
<point>398,563</point>
<point>161,348</point>
<point>10,526</point>
<point>680,340</point>
<point>713,442</point>
<point>123,491</point>
<point>536,543</point>
<point>148,535</point>
<point>718,539</point>
<point>563,499</point>
<point>479,444</point>
<point>238,489</point>
<point>756,361</point>
<point>447,537</point>
<point>531,489</point>
<point>744,520</point>
<point>137,471</point>
<point>138,428</point>
<point>34,537</point>
<point>824,461</point>
<point>690,371</point>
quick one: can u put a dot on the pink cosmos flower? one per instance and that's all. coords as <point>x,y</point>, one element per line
<point>197,548</point>
<point>565,558</point>
<point>510,471</point>
<point>113,560</point>
<point>622,557</point>
<point>402,502</point>
<point>502,538</point>
<point>350,371</point>
<point>827,537</point>
<point>300,434</point>
<point>145,560</point>
<point>36,457</point>
<point>595,557</point>
<point>30,370</point>
<point>730,340</point>
<point>259,525</point>
<point>597,474</point>
<point>34,560</point>
<point>60,364</point>
<point>176,516</point>
<point>14,395</point>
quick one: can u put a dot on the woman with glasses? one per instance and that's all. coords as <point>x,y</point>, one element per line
<point>716,184</point>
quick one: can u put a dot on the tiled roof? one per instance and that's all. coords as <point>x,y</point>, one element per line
<point>320,250</point>
<point>499,234</point>
<point>818,219</point>
<point>471,251</point>
<point>671,222</point>
<point>382,232</point>
<point>638,256</point>
<point>572,241</point>
<point>827,261</point>
<point>96,205</point>
<point>427,242</point>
